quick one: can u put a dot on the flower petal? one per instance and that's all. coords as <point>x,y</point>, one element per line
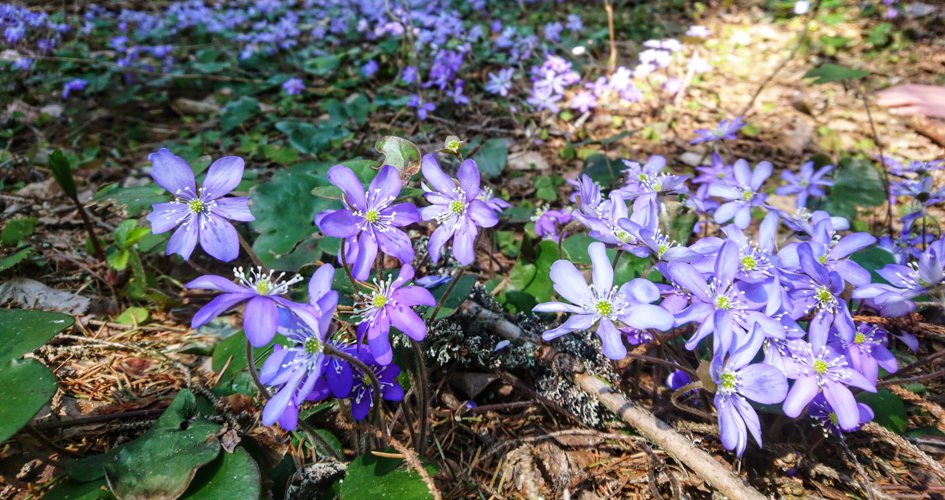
<point>603,273</point>
<point>342,177</point>
<point>223,176</point>
<point>611,340</point>
<point>341,224</point>
<point>468,176</point>
<point>184,240</point>
<point>233,209</point>
<point>218,238</point>
<point>570,283</point>
<point>762,383</point>
<point>403,214</point>
<point>396,243</point>
<point>166,216</point>
<point>217,306</point>
<point>410,296</point>
<point>574,323</point>
<point>367,252</point>
<point>843,404</point>
<point>260,320</point>
<point>276,406</point>
<point>481,214</point>
<point>439,238</point>
<point>435,176</point>
<point>320,283</point>
<point>384,188</point>
<point>463,242</point>
<point>804,390</point>
<point>645,316</point>
<point>218,283</point>
<point>172,173</point>
<point>404,319</point>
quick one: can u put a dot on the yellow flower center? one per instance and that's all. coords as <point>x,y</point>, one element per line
<point>457,207</point>
<point>823,295</point>
<point>453,146</point>
<point>379,301</point>
<point>729,381</point>
<point>833,418</point>
<point>747,195</point>
<point>723,303</point>
<point>720,175</point>
<point>749,263</point>
<point>604,307</point>
<point>623,236</point>
<point>859,338</point>
<point>263,287</point>
<point>312,346</point>
<point>821,366</point>
<point>196,206</point>
<point>805,183</point>
<point>823,259</point>
<point>372,216</point>
<point>662,249</point>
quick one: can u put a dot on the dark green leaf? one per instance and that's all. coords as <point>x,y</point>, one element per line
<point>370,476</point>
<point>23,331</point>
<point>133,316</point>
<point>857,184</point>
<point>888,408</point>
<point>399,153</point>
<point>25,387</point>
<point>602,169</point>
<point>575,248</point>
<point>321,66</point>
<point>122,232</point>
<point>229,473</point>
<point>8,262</point>
<point>62,171</point>
<point>873,259</point>
<point>134,199</point>
<point>530,280</point>
<point>831,73</point>
<point>16,229</point>
<point>69,489</point>
<point>328,193</point>
<point>456,297</point>
<point>237,112</point>
<point>117,259</point>
<point>491,158</point>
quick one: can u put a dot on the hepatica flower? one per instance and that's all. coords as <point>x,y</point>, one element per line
<point>293,86</point>
<point>818,289</point>
<point>457,208</point>
<point>201,213</point>
<point>725,130</point>
<point>362,394</point>
<point>737,381</point>
<point>492,201</point>
<point>744,194</point>
<point>390,305</point>
<point>807,183</point>
<point>822,371</point>
<point>371,220</point>
<point>602,303</point>
<point>823,415</point>
<point>76,84</point>
<point>868,351</point>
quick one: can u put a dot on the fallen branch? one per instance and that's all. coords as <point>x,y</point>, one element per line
<point>671,441</point>
<point>903,444</point>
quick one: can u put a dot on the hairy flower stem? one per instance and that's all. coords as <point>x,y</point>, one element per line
<point>564,231</point>
<point>331,351</point>
<point>616,258</point>
<point>309,430</point>
<point>344,265</point>
<point>251,253</point>
<point>797,46</point>
<point>99,255</point>
<point>682,390</point>
<point>882,160</point>
<point>424,397</point>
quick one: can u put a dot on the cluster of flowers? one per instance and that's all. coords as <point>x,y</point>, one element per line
<point>22,27</point>
<point>765,313</point>
<point>310,367</point>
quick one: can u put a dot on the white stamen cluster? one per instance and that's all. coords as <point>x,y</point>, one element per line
<point>822,367</point>
<point>374,218</point>
<point>727,297</point>
<point>456,208</point>
<point>754,261</point>
<point>603,305</point>
<point>367,308</point>
<point>196,205</point>
<point>264,283</point>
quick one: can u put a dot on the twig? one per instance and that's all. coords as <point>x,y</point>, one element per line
<point>865,483</point>
<point>920,378</point>
<point>932,408</point>
<point>612,61</point>
<point>903,444</point>
<point>150,352</point>
<point>423,396</point>
<point>664,436</point>
<point>331,351</point>
<point>800,41</point>
<point>98,419</point>
<point>252,254</point>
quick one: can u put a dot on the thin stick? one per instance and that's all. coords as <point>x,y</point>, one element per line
<point>612,62</point>
<point>800,41</point>
<point>344,265</point>
<point>882,161</point>
<point>448,292</point>
<point>252,254</point>
<point>423,394</point>
<point>98,419</point>
<point>89,229</point>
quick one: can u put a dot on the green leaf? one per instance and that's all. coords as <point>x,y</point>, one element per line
<point>227,474</point>
<point>888,408</point>
<point>237,112</point>
<point>70,489</point>
<point>23,331</point>
<point>575,248</point>
<point>132,316</point>
<point>16,229</point>
<point>530,279</point>
<point>629,267</point>
<point>491,158</point>
<point>602,169</point>
<point>321,66</point>
<point>328,193</point>
<point>117,259</point>
<point>123,231</point>
<point>135,199</point>
<point>25,386</point>
<point>546,187</point>
<point>832,73</point>
<point>355,107</point>
<point>286,156</point>
<point>284,209</point>
<point>456,297</point>
<point>162,462</point>
<point>62,171</point>
<point>370,476</point>
<point>400,154</point>
<point>8,262</point>
<point>858,183</point>
<point>873,259</point>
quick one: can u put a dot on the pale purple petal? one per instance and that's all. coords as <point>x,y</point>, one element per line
<point>611,340</point>
<point>184,240</point>
<point>260,320</point>
<point>468,176</point>
<point>408,322</point>
<point>172,173</point>
<point>435,176</point>
<point>804,390</point>
<point>414,296</point>
<point>218,238</point>
<point>482,214</point>
<point>851,243</point>
<point>223,176</point>
<point>217,306</point>
<point>396,243</point>
<point>276,406</point>
<point>645,316</point>
<point>464,241</point>
<point>570,283</point>
<point>233,209</point>
<point>574,323</point>
<point>341,224</point>
<point>320,283</point>
<point>554,307</point>
<point>367,252</point>
<point>217,283</point>
<point>843,404</point>
<point>384,188</point>
<point>403,214</point>
<point>603,273</point>
<point>342,177</point>
<point>166,216</point>
<point>439,238</point>
<point>762,383</point>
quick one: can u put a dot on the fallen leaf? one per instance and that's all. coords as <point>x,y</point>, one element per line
<point>31,294</point>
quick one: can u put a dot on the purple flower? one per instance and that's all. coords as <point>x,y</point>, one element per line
<point>362,397</point>
<point>293,86</point>
<point>677,380</point>
<point>718,172</point>
<point>698,65</point>
<point>806,184</point>
<point>542,97</point>
<point>673,85</point>
<point>260,291</point>
<point>76,84</point>
<point>737,381</point>
<point>25,63</point>
<point>661,58</point>
<point>604,224</point>
<point>583,101</point>
<point>370,220</point>
<point>409,74</point>
<point>547,221</point>
<point>501,83</point>
<point>725,130</point>
<point>369,68</point>
<point>822,371</point>
<point>422,108</point>
<point>602,303</point>
<point>456,207</point>
<point>553,31</point>
<point>819,289</point>
<point>699,32</point>
<point>823,415</point>
<point>457,93</point>
<point>743,194</point>
<point>832,251</point>
<point>868,351</point>
<point>492,201</point>
<point>391,305</point>
<point>589,193</point>
<point>297,369</point>
<point>201,213</point>
<point>574,23</point>
<point>647,179</point>
<point>496,26</point>
<point>643,70</point>
<point>906,282</point>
